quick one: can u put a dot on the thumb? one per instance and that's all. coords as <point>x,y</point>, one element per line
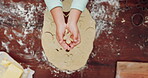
<point>60,38</point>
<point>75,37</point>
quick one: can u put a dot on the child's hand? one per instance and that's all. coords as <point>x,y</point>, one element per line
<point>73,29</point>
<point>61,26</point>
<point>60,31</point>
<point>59,20</point>
<point>72,26</point>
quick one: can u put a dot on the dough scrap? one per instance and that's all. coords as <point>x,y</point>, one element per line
<point>67,37</point>
<point>75,58</point>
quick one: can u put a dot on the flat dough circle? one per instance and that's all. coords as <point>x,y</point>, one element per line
<point>75,58</point>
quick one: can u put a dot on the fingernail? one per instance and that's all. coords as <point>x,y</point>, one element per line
<point>75,40</point>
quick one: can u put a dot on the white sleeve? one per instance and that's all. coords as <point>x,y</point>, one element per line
<point>53,3</point>
<point>79,4</point>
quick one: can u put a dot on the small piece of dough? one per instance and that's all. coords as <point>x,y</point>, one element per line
<point>67,37</point>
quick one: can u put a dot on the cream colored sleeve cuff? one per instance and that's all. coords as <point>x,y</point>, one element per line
<point>79,4</point>
<point>53,3</point>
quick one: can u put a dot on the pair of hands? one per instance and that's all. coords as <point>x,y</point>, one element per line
<point>71,26</point>
<point>73,29</point>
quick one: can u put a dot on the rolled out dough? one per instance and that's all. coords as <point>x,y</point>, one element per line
<point>75,58</point>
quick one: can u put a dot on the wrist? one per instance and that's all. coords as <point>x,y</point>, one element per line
<point>60,25</point>
<point>72,23</point>
<point>72,20</point>
<point>74,16</point>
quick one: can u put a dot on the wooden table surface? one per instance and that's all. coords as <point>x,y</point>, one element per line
<point>20,37</point>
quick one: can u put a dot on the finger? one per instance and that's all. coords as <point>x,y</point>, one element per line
<point>71,46</point>
<point>79,39</point>
<point>62,42</point>
<point>75,37</point>
<point>65,46</point>
<point>76,43</point>
<point>59,40</point>
<point>60,37</point>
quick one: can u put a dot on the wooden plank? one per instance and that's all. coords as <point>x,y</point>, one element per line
<point>132,70</point>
